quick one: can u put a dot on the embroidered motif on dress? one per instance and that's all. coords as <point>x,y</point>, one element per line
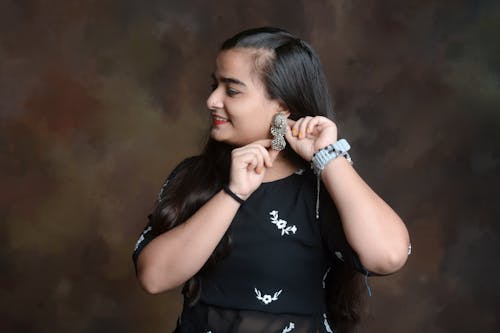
<point>288,328</point>
<point>326,274</point>
<point>282,224</point>
<point>339,255</point>
<point>266,299</point>
<point>139,241</point>
<point>299,172</point>
<point>162,189</point>
<point>325,322</point>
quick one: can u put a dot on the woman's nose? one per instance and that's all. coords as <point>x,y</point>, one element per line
<point>214,101</point>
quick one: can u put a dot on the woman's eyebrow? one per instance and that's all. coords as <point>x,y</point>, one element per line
<point>228,80</point>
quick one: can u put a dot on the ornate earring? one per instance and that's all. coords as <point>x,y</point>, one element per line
<point>278,130</point>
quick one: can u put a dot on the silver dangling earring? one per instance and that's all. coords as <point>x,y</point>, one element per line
<point>278,130</point>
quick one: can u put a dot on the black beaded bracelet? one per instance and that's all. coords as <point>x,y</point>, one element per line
<point>233,195</point>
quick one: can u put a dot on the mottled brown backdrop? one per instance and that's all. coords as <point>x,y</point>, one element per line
<point>100,99</point>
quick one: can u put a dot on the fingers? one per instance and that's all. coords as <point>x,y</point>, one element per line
<point>272,155</point>
<point>250,157</point>
<point>300,128</point>
<point>255,156</point>
<point>264,143</point>
<point>268,154</point>
<point>308,126</point>
<point>304,129</point>
<point>294,126</point>
<point>315,125</point>
<point>289,134</point>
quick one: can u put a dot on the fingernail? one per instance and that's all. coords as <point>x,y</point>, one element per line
<point>308,130</point>
<point>294,132</point>
<point>258,170</point>
<point>301,135</point>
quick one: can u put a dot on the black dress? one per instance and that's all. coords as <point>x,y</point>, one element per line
<point>273,280</point>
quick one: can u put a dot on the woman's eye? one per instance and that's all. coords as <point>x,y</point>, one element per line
<point>231,92</point>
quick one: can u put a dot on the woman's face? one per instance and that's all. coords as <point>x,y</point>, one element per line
<point>241,110</point>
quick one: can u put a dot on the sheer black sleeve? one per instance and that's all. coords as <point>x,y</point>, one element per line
<point>339,249</point>
<point>147,234</point>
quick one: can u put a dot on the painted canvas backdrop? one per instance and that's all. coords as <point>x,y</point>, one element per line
<point>100,99</point>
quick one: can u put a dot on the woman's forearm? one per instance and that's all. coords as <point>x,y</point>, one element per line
<point>176,255</point>
<point>372,228</point>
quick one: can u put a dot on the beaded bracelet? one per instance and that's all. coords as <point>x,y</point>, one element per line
<point>324,156</point>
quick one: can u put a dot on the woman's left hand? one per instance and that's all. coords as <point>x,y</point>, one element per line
<point>309,134</point>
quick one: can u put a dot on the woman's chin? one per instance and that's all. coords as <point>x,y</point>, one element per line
<point>216,134</point>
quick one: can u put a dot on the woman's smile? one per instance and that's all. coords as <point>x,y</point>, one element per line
<point>218,120</point>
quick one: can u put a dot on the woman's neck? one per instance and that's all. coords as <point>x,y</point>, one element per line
<point>282,167</point>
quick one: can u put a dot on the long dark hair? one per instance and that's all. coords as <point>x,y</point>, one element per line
<point>292,74</point>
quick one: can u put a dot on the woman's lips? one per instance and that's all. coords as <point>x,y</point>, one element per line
<point>218,120</point>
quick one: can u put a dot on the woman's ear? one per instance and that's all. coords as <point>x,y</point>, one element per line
<point>283,108</point>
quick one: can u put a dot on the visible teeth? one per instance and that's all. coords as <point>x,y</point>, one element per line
<point>220,118</point>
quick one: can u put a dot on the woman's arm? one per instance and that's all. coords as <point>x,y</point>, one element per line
<point>173,257</point>
<point>176,255</point>
<point>372,228</point>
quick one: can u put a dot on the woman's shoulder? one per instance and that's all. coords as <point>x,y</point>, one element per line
<point>186,163</point>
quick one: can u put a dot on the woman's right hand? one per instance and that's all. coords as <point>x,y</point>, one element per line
<point>248,167</point>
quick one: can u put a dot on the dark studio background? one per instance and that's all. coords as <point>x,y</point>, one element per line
<point>100,99</point>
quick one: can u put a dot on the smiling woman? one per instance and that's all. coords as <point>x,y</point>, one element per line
<point>240,106</point>
<point>243,225</point>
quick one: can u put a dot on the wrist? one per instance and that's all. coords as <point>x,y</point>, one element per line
<point>325,156</point>
<point>334,166</point>
<point>237,197</point>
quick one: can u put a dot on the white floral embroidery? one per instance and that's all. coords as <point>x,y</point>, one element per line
<point>409,249</point>
<point>162,189</point>
<point>139,241</point>
<point>281,224</point>
<point>339,255</point>
<point>288,328</point>
<point>266,299</point>
<point>326,274</point>
<point>327,327</point>
<point>299,172</point>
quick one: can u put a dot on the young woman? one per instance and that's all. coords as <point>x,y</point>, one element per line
<point>261,241</point>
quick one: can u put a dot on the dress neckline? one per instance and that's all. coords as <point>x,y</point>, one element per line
<point>298,172</point>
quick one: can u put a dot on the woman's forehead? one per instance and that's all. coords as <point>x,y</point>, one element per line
<point>239,64</point>
<point>235,60</point>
